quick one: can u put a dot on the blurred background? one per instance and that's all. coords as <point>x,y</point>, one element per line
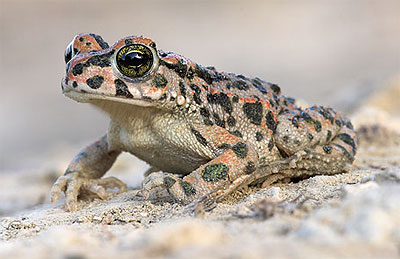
<point>324,52</point>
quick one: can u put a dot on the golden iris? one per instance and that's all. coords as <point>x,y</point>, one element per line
<point>134,60</point>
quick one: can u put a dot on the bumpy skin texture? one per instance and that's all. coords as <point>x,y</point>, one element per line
<point>218,130</point>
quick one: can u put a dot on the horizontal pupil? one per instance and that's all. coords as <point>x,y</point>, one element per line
<point>133,59</point>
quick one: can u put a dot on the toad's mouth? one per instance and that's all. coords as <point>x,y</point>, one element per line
<point>93,98</point>
<point>88,96</point>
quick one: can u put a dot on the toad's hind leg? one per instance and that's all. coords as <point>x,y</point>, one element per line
<point>314,141</point>
<point>317,140</point>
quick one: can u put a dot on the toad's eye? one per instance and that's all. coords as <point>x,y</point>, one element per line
<point>134,60</point>
<point>69,53</point>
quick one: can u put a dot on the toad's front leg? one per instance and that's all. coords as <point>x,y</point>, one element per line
<point>84,173</point>
<point>235,158</point>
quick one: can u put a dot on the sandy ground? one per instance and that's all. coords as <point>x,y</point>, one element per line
<point>350,215</point>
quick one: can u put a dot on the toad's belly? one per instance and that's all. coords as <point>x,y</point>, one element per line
<point>169,159</point>
<point>171,150</point>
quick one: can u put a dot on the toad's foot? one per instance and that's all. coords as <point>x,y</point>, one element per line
<point>74,185</point>
<point>161,186</point>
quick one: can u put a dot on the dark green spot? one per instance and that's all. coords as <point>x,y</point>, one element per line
<point>275,88</point>
<point>223,146</point>
<point>204,74</point>
<point>100,41</point>
<point>190,73</point>
<point>306,117</point>
<point>290,100</point>
<point>240,150</point>
<point>259,136</point>
<point>250,167</point>
<point>77,69</point>
<point>159,81</point>
<point>259,85</point>
<point>199,137</point>
<point>95,82</point>
<point>346,153</point>
<point>328,136</point>
<point>346,138</point>
<point>207,121</point>
<point>325,113</point>
<point>271,144</point>
<point>220,99</point>
<point>122,89</point>
<point>100,60</point>
<point>218,120</point>
<point>240,85</point>
<point>231,121</point>
<point>317,126</point>
<point>178,67</point>
<point>188,188</point>
<point>253,112</point>
<point>206,116</point>
<point>196,93</point>
<point>270,121</point>
<point>236,133</point>
<point>169,181</point>
<point>349,125</point>
<point>215,172</point>
<point>235,99</point>
<point>182,89</point>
